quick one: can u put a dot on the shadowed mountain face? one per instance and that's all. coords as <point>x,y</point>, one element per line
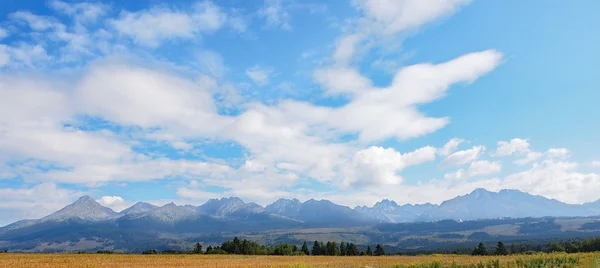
<point>231,207</point>
<point>390,211</point>
<point>321,213</point>
<point>483,204</point>
<point>138,207</point>
<point>86,219</point>
<point>84,208</point>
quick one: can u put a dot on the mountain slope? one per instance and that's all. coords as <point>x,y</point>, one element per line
<point>483,204</point>
<point>85,208</point>
<point>138,207</point>
<point>231,207</point>
<point>285,207</point>
<point>390,212</point>
<point>325,213</point>
<point>143,225</point>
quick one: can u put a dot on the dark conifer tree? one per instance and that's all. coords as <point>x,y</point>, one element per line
<point>379,250</point>
<point>501,249</point>
<point>480,250</point>
<point>198,248</point>
<point>316,250</point>
<point>343,249</point>
<point>305,248</point>
<point>352,250</point>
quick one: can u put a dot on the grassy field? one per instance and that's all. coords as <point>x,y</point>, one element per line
<point>434,261</point>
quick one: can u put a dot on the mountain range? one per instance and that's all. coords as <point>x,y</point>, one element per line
<point>86,219</point>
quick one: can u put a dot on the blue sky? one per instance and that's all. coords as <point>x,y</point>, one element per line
<point>352,101</point>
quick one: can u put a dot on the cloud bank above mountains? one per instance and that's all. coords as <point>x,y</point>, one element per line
<point>85,106</point>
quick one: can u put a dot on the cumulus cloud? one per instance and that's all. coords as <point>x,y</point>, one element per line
<point>116,203</point>
<point>342,80</point>
<point>557,153</point>
<point>260,75</point>
<point>153,26</point>
<point>386,19</point>
<point>33,202</point>
<point>82,12</point>
<point>46,122</point>
<point>556,179</point>
<point>450,146</point>
<point>463,157</point>
<point>212,63</point>
<point>3,33</point>
<point>276,14</point>
<point>529,157</point>
<point>412,85</point>
<point>519,147</point>
<point>4,57</point>
<point>477,168</point>
<point>516,145</point>
<point>393,16</point>
<point>379,166</point>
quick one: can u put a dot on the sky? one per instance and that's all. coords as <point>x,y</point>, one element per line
<point>351,101</point>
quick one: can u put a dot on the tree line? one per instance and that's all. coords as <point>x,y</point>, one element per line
<point>247,247</point>
<point>332,248</point>
<point>586,245</point>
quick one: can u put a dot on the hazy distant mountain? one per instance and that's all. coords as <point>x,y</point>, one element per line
<point>389,211</point>
<point>138,207</point>
<point>84,208</point>
<point>143,225</point>
<point>327,214</point>
<point>231,207</point>
<point>168,213</point>
<point>285,207</point>
<point>483,204</point>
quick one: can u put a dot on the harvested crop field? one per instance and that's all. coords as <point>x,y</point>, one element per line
<point>146,261</point>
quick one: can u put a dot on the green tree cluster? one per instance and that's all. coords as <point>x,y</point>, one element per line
<point>480,250</point>
<point>500,249</point>
<point>332,249</point>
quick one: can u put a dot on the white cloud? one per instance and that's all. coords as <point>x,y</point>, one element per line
<point>450,146</point>
<point>33,202</point>
<point>557,153</point>
<point>477,168</point>
<point>116,203</point>
<point>260,75</point>
<point>152,27</point>
<point>529,157</point>
<point>411,86</point>
<point>237,22</point>
<point>28,55</point>
<point>3,33</point>
<point>345,48</point>
<point>393,16</point>
<point>35,22</point>
<point>4,57</point>
<point>82,12</point>
<point>484,167</point>
<point>520,147</point>
<point>342,80</point>
<point>595,163</point>
<point>379,166</point>
<point>212,63</point>
<point>132,95</point>
<point>556,179</point>
<point>276,14</point>
<point>386,19</point>
<point>511,147</point>
<point>463,157</point>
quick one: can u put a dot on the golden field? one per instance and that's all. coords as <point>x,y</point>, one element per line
<point>147,261</point>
